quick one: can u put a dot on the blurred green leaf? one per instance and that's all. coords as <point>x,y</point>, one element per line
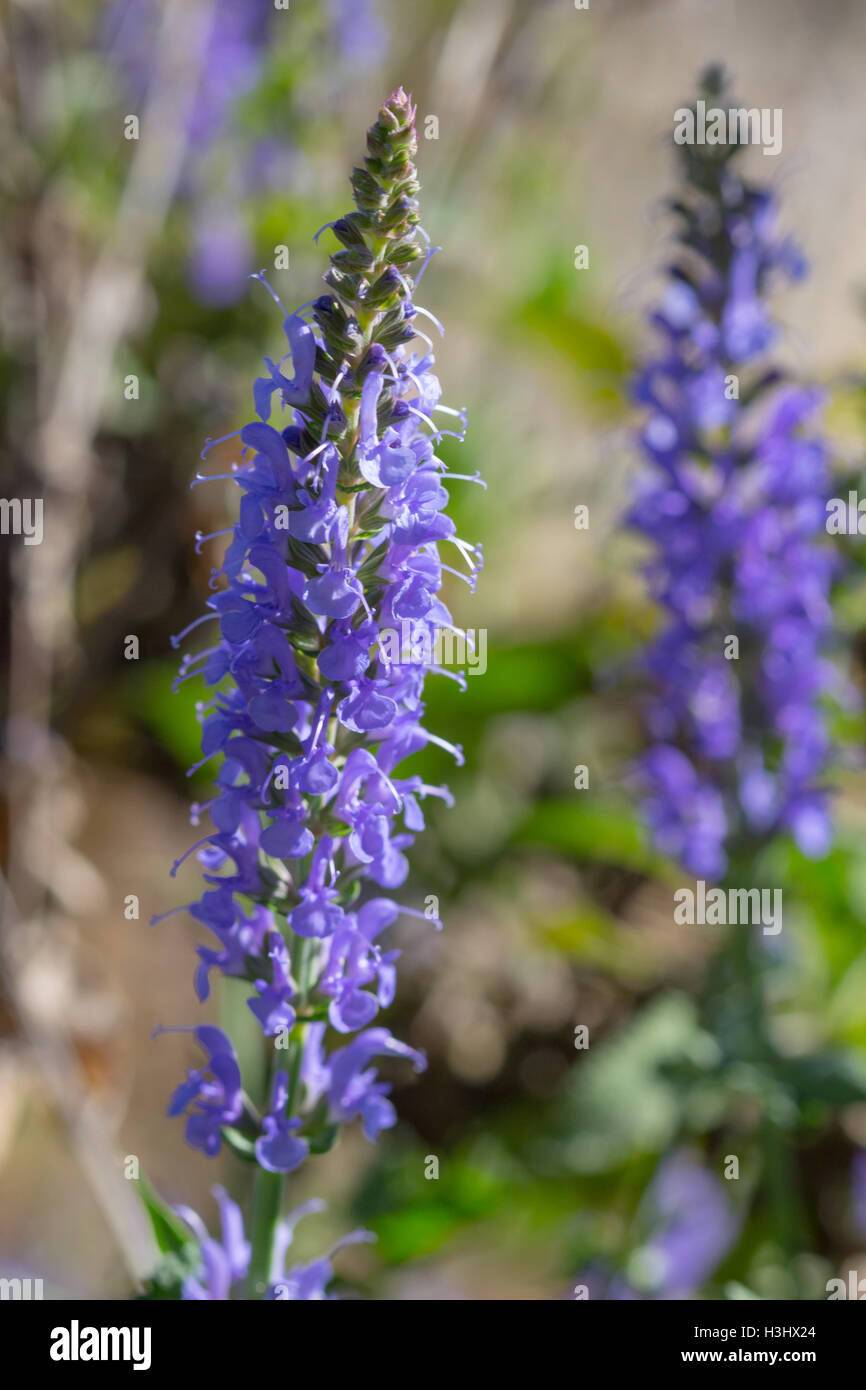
<point>588,828</point>
<point>168,714</point>
<point>617,1103</point>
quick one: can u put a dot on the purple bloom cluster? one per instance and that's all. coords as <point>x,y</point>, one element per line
<point>337,544</point>
<point>235,53</point>
<point>858,1191</point>
<point>225,1263</point>
<point>234,49</point>
<point>733,503</point>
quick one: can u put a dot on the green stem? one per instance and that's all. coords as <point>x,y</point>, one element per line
<point>267,1207</point>
<point>782,1187</point>
<point>780,1179</point>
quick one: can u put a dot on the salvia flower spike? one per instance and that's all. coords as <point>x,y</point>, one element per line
<point>342,509</point>
<point>733,502</point>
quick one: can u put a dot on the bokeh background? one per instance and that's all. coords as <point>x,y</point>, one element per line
<point>124,258</point>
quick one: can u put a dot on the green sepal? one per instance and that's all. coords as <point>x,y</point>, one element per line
<point>324,1141</point>
<point>319,1014</point>
<point>345,484</point>
<point>338,829</point>
<point>353,895</point>
<point>239,1144</point>
<point>302,555</point>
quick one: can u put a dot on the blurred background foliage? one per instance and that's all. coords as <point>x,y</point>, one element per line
<point>552,132</point>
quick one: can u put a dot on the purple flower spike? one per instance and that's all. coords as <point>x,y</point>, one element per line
<point>335,551</point>
<point>336,544</point>
<point>732,502</point>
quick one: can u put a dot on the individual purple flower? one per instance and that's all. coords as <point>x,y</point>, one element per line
<point>273,1007</point>
<point>225,1263</point>
<point>732,501</point>
<point>213,1091</point>
<point>277,1148</point>
<point>355,960</point>
<point>309,1282</point>
<point>346,1082</point>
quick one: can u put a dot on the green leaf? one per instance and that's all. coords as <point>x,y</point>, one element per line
<point>619,1104</point>
<point>416,1233</point>
<point>589,829</point>
<point>170,1233</point>
<point>168,714</point>
<point>831,1078</point>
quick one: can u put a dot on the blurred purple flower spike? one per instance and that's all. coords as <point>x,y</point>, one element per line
<point>732,501</point>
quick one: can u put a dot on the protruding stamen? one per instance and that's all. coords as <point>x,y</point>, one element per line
<point>453,748</point>
<point>432,317</point>
<point>179,637</point>
<point>260,276</point>
<point>198,844</point>
<point>212,443</point>
<point>201,538</point>
<point>466,478</point>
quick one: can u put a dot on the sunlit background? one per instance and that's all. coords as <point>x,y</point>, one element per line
<point>553,129</point>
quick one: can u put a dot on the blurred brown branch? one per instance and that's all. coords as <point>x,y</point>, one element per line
<point>77,338</point>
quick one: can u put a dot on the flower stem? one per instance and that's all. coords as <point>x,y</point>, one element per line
<point>269,1187</point>
<point>780,1178</point>
<point>267,1206</point>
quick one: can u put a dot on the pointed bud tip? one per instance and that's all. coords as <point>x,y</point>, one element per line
<point>399,104</point>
